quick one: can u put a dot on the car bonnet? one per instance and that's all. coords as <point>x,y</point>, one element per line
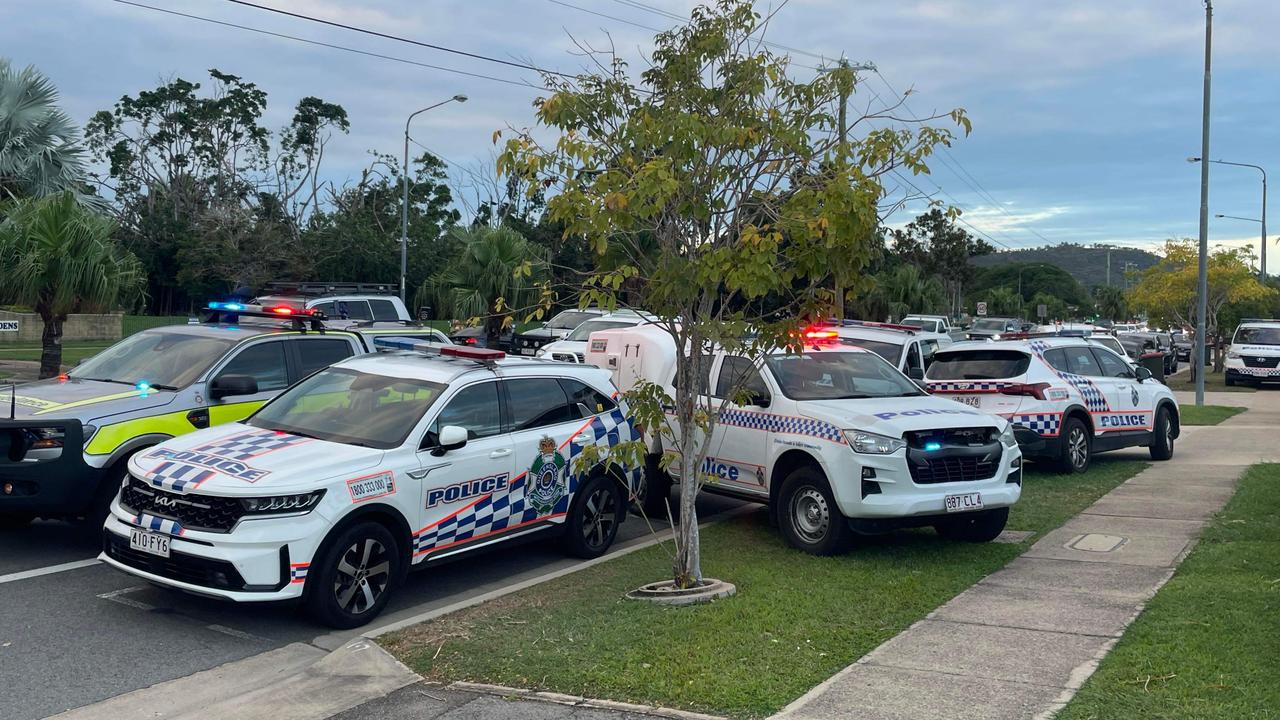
<point>894,416</point>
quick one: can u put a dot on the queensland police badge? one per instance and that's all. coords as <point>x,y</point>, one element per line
<point>546,482</point>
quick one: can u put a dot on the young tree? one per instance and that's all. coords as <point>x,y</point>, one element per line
<point>59,257</point>
<point>1167,291</point>
<point>723,181</point>
<point>40,150</point>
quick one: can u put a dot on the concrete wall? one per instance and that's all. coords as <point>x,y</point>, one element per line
<point>106,327</point>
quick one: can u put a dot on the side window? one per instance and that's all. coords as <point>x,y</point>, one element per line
<point>738,374</point>
<point>1057,360</point>
<point>538,402</point>
<point>263,362</point>
<point>353,310</point>
<point>475,408</point>
<point>326,308</point>
<point>1111,365</point>
<point>929,348</point>
<point>314,354</point>
<point>913,358</point>
<point>384,310</point>
<point>1081,361</point>
<point>580,394</point>
<point>707,362</point>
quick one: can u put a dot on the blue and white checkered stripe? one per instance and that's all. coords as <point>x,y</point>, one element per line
<point>1047,424</point>
<point>164,525</point>
<point>504,511</point>
<point>177,476</point>
<point>1258,372</point>
<point>1093,398</point>
<point>967,386</point>
<point>247,446</point>
<point>782,424</point>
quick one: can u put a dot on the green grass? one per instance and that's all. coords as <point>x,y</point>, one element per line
<point>796,620</point>
<point>1207,414</point>
<point>137,323</point>
<point>72,353</point>
<point>1207,647</point>
<point>1213,382</point>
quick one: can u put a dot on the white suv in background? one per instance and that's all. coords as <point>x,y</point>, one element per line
<point>906,347</point>
<point>1254,354</point>
<point>1067,397</point>
<point>574,347</point>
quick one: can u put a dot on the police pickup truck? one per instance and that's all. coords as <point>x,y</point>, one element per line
<point>64,441</point>
<point>835,440</point>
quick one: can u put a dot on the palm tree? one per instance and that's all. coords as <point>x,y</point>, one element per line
<point>1111,302</point>
<point>496,272</point>
<point>906,290</point>
<point>40,152</point>
<point>59,257</point>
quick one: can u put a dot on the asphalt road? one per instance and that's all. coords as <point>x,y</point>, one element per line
<point>85,632</point>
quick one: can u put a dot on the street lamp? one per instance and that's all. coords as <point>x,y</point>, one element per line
<point>404,221</point>
<point>1237,217</point>
<point>1263,258</point>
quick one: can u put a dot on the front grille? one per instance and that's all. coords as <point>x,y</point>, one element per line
<point>955,437</point>
<point>1261,362</point>
<point>953,469</point>
<point>178,566</point>
<point>568,357</point>
<point>208,513</point>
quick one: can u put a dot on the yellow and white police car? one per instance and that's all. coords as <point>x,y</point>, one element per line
<point>835,440</point>
<point>64,442</point>
<point>1254,354</point>
<point>1067,397</point>
<point>334,489</point>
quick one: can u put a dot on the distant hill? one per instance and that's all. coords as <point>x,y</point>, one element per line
<point>1086,264</point>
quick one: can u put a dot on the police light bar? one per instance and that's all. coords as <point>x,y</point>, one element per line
<point>912,329</point>
<point>481,355</point>
<point>230,312</point>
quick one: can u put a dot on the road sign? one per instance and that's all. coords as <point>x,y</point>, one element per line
<point>1042,311</point>
<point>982,308</point>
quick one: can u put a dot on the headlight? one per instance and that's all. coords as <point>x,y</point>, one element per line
<point>1007,438</point>
<point>542,352</point>
<point>873,444</point>
<point>302,502</point>
<point>45,438</point>
<point>88,431</point>
<point>996,336</point>
<point>1233,355</point>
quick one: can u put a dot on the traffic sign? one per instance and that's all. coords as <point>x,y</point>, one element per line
<point>982,308</point>
<point>1042,311</point>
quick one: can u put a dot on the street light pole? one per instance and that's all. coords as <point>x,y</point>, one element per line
<point>1262,259</point>
<point>1202,283</point>
<point>404,210</point>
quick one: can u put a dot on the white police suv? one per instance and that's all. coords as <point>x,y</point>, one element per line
<point>1067,397</point>
<point>835,440</point>
<point>335,488</point>
<point>1254,354</point>
<point>906,347</point>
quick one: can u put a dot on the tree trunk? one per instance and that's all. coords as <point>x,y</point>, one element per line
<point>688,558</point>
<point>51,342</point>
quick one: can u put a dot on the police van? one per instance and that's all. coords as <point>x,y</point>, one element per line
<point>376,464</point>
<point>1254,354</point>
<point>1067,397</point>
<point>64,441</point>
<point>836,441</point>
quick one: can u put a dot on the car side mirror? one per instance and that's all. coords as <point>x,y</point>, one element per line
<point>452,437</point>
<point>915,373</point>
<point>230,385</point>
<point>1142,374</point>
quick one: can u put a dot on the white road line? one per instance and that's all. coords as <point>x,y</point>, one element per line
<point>118,596</point>
<point>28,574</point>
<point>235,633</point>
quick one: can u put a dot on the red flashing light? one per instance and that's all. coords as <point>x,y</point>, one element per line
<point>1035,390</point>
<point>819,334</point>
<point>468,341</point>
<point>282,310</point>
<point>469,353</point>
<point>62,377</point>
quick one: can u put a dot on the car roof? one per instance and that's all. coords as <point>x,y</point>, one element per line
<point>1261,323</point>
<point>410,364</point>
<point>1019,345</point>
<point>237,330</point>
<point>896,337</point>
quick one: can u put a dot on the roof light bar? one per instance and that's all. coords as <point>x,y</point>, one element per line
<point>480,355</point>
<point>912,329</point>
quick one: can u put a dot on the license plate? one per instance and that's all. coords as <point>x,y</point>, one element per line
<point>964,502</point>
<point>528,351</point>
<point>970,400</point>
<point>148,542</point>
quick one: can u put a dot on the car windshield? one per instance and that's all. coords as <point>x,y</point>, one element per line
<point>887,350</point>
<point>978,365</point>
<point>1258,336</point>
<point>164,360</point>
<point>570,319</point>
<point>835,375</point>
<point>583,332</point>
<point>922,323</point>
<point>347,406</point>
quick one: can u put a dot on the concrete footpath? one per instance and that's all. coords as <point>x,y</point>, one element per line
<point>1021,642</point>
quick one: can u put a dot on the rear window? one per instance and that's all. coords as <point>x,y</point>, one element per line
<point>978,365</point>
<point>887,350</point>
<point>989,325</point>
<point>926,325</point>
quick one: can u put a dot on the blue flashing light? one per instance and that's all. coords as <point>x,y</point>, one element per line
<point>143,386</point>
<point>234,307</point>
<point>931,446</point>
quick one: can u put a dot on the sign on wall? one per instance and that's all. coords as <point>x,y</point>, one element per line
<point>8,326</point>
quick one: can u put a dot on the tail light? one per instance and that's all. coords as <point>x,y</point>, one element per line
<point>1035,390</point>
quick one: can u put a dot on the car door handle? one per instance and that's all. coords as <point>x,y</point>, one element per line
<point>500,453</point>
<point>582,440</point>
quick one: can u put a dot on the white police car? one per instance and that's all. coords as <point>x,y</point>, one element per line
<point>1067,397</point>
<point>835,440</point>
<point>1254,354</point>
<point>335,488</point>
<point>573,348</point>
<point>906,347</point>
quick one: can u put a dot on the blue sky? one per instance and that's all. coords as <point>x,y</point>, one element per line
<point>1084,111</point>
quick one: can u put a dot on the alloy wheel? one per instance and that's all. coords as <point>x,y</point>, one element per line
<point>364,572</point>
<point>599,514</point>
<point>1078,446</point>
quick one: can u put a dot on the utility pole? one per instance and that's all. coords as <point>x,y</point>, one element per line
<point>1108,266</point>
<point>845,90</point>
<point>1202,283</point>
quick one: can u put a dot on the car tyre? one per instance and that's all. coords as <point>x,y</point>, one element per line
<point>598,508</point>
<point>1077,447</point>
<point>108,488</point>
<point>974,527</point>
<point>353,576</point>
<point>1162,440</point>
<point>655,488</point>
<point>808,515</point>
<point>15,521</point>
<point>1230,381</point>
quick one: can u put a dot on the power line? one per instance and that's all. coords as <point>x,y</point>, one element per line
<point>332,46</point>
<point>398,38</point>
